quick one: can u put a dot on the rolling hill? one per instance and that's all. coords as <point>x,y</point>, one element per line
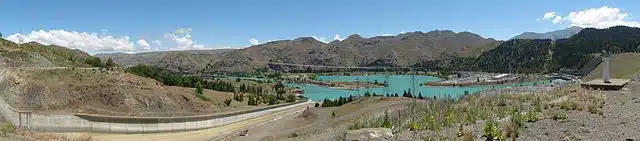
<point>558,34</point>
<point>34,54</point>
<point>179,61</point>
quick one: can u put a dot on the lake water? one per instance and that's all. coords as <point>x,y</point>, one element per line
<point>398,84</point>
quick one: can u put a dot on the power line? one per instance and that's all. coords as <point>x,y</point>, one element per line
<point>324,66</point>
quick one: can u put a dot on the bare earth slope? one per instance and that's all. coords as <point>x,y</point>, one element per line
<point>97,92</point>
<point>53,79</point>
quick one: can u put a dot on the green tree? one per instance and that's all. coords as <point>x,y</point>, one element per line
<point>199,88</point>
<point>109,63</point>
<point>93,61</point>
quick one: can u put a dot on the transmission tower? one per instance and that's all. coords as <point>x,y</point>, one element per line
<point>387,86</point>
<point>413,82</point>
<point>357,76</point>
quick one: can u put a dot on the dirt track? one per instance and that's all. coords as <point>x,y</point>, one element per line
<point>317,124</point>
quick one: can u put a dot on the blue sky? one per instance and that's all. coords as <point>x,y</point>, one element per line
<point>232,23</point>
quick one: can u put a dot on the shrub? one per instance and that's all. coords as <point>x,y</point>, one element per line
<point>202,97</point>
<point>227,102</point>
<point>386,123</point>
<point>414,125</point>
<point>511,130</point>
<point>199,88</point>
<point>531,116</point>
<point>317,105</point>
<point>291,98</point>
<point>293,135</point>
<point>559,116</point>
<point>6,129</point>
<point>468,136</point>
<point>592,109</point>
<point>491,130</point>
<point>333,114</point>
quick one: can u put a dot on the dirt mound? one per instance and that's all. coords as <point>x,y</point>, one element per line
<point>97,92</point>
<point>307,115</point>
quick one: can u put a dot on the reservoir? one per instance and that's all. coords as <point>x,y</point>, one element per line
<point>397,84</point>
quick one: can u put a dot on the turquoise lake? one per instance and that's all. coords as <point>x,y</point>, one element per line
<point>398,84</point>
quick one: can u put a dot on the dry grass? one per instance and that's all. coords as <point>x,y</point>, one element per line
<point>54,137</point>
<point>438,116</point>
<point>623,66</point>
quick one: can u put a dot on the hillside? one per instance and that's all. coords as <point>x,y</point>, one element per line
<point>527,55</point>
<point>31,79</point>
<point>558,34</point>
<point>400,50</point>
<point>33,54</point>
<point>179,61</point>
<point>623,66</point>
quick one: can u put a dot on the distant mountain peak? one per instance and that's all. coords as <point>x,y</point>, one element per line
<point>354,37</point>
<point>558,34</point>
<point>306,40</point>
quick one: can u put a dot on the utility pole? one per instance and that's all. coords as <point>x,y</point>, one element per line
<point>387,86</point>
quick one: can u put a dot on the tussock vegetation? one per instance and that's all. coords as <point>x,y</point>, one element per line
<point>503,114</point>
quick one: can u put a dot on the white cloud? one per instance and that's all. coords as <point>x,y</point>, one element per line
<point>602,17</point>
<point>183,31</point>
<point>184,43</point>
<point>75,40</point>
<point>549,15</point>
<point>143,43</point>
<point>321,39</point>
<point>254,41</point>
<point>337,37</point>
<point>557,19</point>
<point>158,44</point>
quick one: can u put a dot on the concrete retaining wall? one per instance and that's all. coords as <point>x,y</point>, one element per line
<point>107,124</point>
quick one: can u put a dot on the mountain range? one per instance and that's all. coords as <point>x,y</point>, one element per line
<point>178,61</point>
<point>405,49</point>
<point>558,34</point>
<point>399,50</point>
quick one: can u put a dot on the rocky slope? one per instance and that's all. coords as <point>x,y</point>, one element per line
<point>400,50</point>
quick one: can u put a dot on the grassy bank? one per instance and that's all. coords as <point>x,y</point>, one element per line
<point>502,115</point>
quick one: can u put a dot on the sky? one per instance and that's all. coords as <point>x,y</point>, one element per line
<point>131,26</point>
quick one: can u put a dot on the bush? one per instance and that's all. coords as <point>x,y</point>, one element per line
<point>291,98</point>
<point>227,102</point>
<point>317,105</point>
<point>6,129</point>
<point>202,97</point>
<point>567,105</point>
<point>592,109</point>
<point>386,123</point>
<point>491,130</point>
<point>531,116</point>
<point>559,116</point>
